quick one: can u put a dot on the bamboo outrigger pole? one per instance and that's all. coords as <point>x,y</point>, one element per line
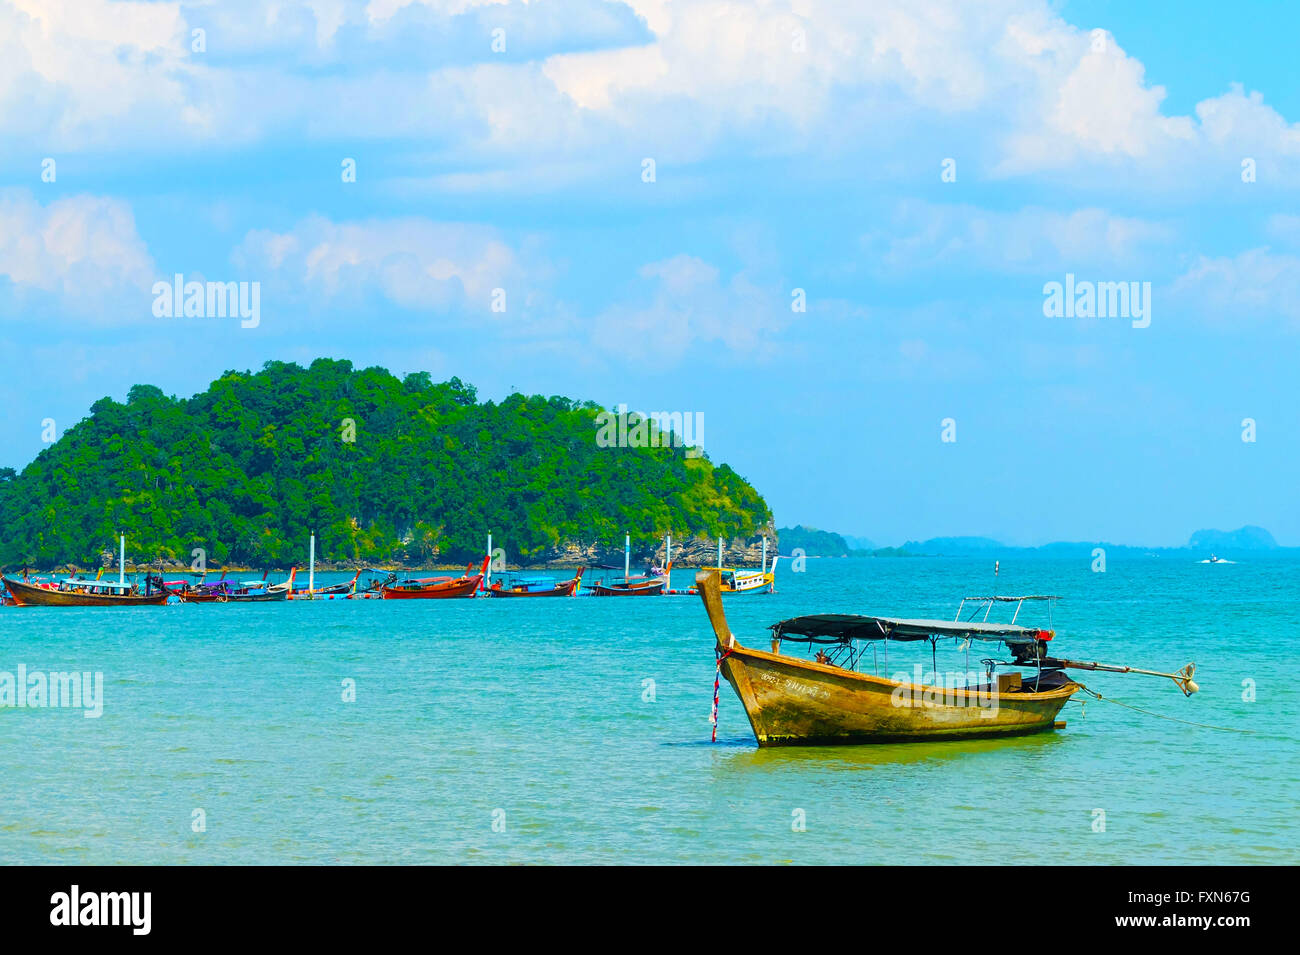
<point>1183,678</point>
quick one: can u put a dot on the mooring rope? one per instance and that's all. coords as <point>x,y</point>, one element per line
<point>1160,716</point>
<point>717,682</point>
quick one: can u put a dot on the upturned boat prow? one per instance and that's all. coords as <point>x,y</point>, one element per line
<point>793,701</point>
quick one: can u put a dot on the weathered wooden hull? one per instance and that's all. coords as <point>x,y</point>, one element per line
<point>461,587</point>
<point>201,598</point>
<point>29,595</point>
<point>565,589</point>
<point>643,590</point>
<point>266,596</point>
<point>797,702</point>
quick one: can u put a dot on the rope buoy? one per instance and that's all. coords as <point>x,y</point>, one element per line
<point>717,683</point>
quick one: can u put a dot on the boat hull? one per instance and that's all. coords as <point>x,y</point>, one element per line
<point>646,587</point>
<point>755,584</point>
<point>29,595</point>
<point>462,587</point>
<point>652,591</point>
<point>793,702</point>
<point>201,598</point>
<point>269,596</point>
<point>565,589</point>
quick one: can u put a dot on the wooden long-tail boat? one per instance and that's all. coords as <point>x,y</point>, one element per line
<point>795,701</point>
<point>648,586</point>
<point>436,588</point>
<point>73,592</point>
<point>227,591</point>
<point>651,585</point>
<point>332,592</point>
<point>535,588</point>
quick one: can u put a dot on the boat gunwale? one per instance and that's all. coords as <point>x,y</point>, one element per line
<point>737,649</point>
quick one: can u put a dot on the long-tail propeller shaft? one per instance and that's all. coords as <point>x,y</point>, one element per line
<point>1182,678</point>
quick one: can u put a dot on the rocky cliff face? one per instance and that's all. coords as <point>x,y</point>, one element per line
<point>742,552</point>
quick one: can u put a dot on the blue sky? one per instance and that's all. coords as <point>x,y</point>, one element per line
<point>795,146</point>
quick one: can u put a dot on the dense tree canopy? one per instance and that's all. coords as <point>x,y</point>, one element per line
<point>381,469</point>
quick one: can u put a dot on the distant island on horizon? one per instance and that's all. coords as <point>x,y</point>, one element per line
<point>821,543</point>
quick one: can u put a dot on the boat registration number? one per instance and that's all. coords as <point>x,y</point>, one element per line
<point>793,686</point>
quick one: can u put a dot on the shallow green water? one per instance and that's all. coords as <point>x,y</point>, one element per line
<point>538,709</point>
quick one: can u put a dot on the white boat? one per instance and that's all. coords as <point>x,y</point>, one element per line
<point>746,581</point>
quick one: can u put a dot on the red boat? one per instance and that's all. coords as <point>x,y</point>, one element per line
<point>436,588</point>
<point>526,588</point>
<point>633,587</point>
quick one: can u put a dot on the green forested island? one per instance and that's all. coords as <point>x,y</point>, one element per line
<point>813,542</point>
<point>382,469</point>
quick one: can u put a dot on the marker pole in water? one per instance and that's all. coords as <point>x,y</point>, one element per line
<point>627,555</point>
<point>121,560</point>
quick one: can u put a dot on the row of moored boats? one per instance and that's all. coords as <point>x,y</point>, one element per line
<point>153,589</point>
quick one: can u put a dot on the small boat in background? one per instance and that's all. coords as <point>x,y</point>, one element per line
<point>332,592</point>
<point>536,586</point>
<point>257,591</point>
<point>76,592</point>
<point>248,591</point>
<point>435,588</point>
<point>746,581</point>
<point>652,584</point>
<point>79,592</point>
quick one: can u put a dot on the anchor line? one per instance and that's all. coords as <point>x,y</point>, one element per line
<point>1160,716</point>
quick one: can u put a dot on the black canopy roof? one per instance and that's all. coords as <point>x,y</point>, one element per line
<point>841,628</point>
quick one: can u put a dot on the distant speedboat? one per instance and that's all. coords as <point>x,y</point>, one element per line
<point>1215,559</point>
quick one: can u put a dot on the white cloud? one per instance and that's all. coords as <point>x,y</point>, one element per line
<point>414,263</point>
<point>685,305</point>
<point>1027,92</point>
<point>1244,289</point>
<point>925,236</point>
<point>92,71</point>
<point>84,249</point>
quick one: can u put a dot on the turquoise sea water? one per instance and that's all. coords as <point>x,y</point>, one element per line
<point>538,709</point>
